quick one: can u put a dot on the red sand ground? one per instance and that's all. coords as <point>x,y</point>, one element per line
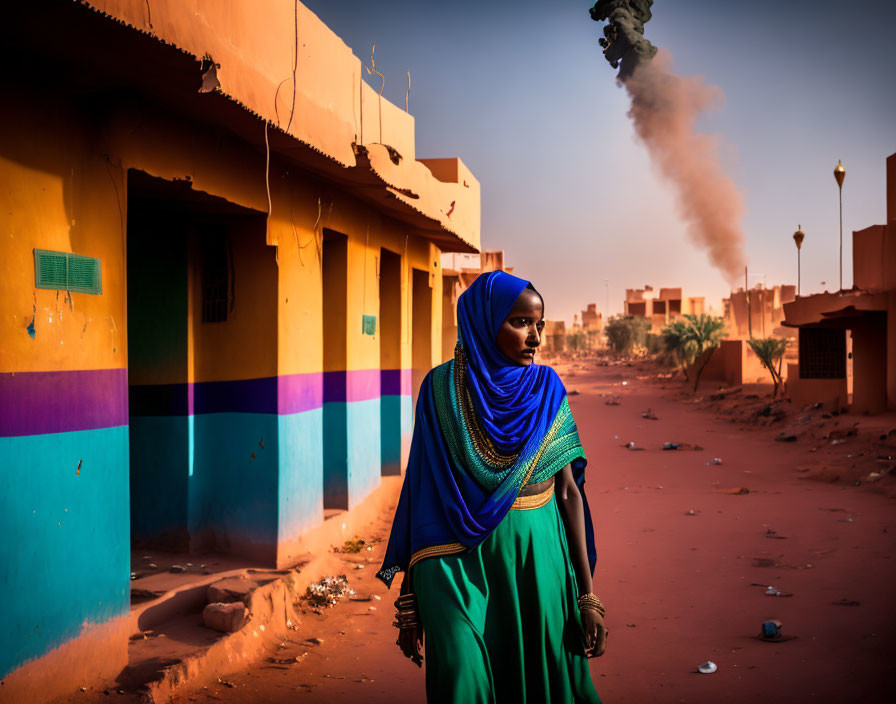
<point>679,558</point>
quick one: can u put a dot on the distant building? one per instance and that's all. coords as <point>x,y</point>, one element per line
<point>661,308</point>
<point>554,336</point>
<point>864,315</point>
<point>758,312</point>
<point>459,270</point>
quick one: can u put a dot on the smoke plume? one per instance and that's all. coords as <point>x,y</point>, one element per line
<point>664,110</point>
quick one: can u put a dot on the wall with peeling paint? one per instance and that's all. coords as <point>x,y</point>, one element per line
<point>212,434</point>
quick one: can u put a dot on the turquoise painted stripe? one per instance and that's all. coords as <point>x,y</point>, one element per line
<point>65,548</point>
<point>233,489</point>
<point>363,421</point>
<point>301,488</point>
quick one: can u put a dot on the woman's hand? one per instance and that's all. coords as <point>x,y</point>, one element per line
<point>595,633</point>
<point>410,640</point>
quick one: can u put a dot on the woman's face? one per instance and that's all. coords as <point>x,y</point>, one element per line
<point>520,333</point>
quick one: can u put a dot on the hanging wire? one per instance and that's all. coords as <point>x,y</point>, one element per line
<point>295,63</point>
<point>407,95</point>
<point>267,166</point>
<point>372,70</point>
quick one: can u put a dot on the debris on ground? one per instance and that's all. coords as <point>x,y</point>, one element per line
<point>735,491</point>
<point>681,446</point>
<point>352,546</point>
<point>773,591</point>
<point>846,602</point>
<point>328,591</point>
<point>574,392</point>
<point>691,512</point>
<point>715,460</point>
<point>785,437</point>
<point>631,446</point>
<point>649,414</point>
<point>613,400</point>
<point>707,668</point>
<point>177,569</point>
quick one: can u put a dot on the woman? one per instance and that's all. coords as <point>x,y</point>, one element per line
<point>492,527</point>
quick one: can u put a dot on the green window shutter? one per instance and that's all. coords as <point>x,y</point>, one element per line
<point>84,274</point>
<point>368,324</point>
<point>50,269</point>
<point>67,272</point>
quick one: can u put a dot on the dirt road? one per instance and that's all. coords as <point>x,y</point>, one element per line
<point>684,559</point>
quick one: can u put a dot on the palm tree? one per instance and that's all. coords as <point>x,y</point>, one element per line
<point>770,351</point>
<point>678,346</point>
<point>705,333</point>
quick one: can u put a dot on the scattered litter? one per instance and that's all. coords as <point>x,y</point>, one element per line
<point>771,632</point>
<point>613,401</point>
<point>691,512</point>
<point>314,640</point>
<point>631,625</point>
<point>772,591</point>
<point>625,383</point>
<point>715,460</point>
<point>327,591</point>
<point>649,414</point>
<point>785,437</point>
<point>763,562</point>
<point>670,445</point>
<point>133,575</point>
<point>631,446</point>
<point>352,546</point>
<point>574,392</point>
<point>846,602</point>
<point>177,569</point>
<point>735,491</point>
<point>707,668</point>
<point>226,683</point>
<point>773,534</point>
<point>359,597</point>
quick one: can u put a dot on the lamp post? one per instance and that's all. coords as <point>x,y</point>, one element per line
<point>839,175</point>
<point>798,237</point>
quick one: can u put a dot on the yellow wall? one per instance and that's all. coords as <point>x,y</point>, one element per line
<point>61,193</point>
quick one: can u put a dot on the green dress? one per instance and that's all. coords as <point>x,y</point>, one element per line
<point>501,623</point>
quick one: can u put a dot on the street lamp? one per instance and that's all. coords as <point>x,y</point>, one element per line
<point>798,237</point>
<point>839,175</point>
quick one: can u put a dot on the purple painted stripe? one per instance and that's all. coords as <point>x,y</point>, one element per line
<point>351,386</point>
<point>395,382</point>
<point>37,403</point>
<point>300,392</point>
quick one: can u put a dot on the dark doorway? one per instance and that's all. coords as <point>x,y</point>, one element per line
<point>421,330</point>
<point>335,417</point>
<point>390,362</point>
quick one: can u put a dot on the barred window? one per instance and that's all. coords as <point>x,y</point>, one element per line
<point>216,277</point>
<point>822,353</point>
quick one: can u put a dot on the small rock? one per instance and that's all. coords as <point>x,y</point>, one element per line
<point>225,617</point>
<point>177,569</point>
<point>314,640</point>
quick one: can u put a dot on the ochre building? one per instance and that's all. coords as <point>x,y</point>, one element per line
<point>863,318</point>
<point>221,287</point>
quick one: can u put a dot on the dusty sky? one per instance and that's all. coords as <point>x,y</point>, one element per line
<point>521,92</point>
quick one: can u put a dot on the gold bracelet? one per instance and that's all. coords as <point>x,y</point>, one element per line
<point>590,601</point>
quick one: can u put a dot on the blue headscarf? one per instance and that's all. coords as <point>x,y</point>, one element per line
<point>455,493</point>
